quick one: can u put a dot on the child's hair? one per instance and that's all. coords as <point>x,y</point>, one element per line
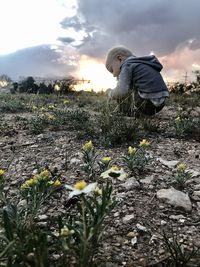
<point>116,51</point>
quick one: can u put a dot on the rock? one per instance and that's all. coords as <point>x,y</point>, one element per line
<point>147,180</point>
<point>177,217</point>
<point>141,228</point>
<point>128,218</point>
<point>75,161</point>
<point>194,173</point>
<point>131,183</point>
<point>175,198</point>
<point>169,164</point>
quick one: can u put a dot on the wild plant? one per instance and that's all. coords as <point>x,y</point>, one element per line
<point>116,128</point>
<point>2,185</point>
<point>179,255</point>
<point>137,159</point>
<point>89,157</point>
<point>183,125</point>
<point>104,163</point>
<point>81,233</point>
<point>22,241</point>
<point>181,176</point>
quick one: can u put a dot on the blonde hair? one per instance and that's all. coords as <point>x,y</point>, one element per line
<point>116,51</point>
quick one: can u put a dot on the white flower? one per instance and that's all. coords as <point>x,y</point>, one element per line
<point>115,172</point>
<point>81,187</point>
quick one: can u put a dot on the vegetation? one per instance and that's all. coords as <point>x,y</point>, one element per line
<point>74,236</point>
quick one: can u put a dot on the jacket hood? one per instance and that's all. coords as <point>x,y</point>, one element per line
<point>148,60</point>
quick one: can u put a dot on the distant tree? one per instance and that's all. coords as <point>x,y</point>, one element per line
<point>44,89</point>
<point>13,90</point>
<point>28,85</point>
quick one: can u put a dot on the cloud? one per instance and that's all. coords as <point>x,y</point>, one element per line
<point>143,26</point>
<point>67,40</point>
<point>42,61</point>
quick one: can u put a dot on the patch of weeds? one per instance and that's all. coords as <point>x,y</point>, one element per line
<point>81,233</point>
<point>21,122</point>
<point>72,120</point>
<point>22,241</point>
<point>181,176</point>
<point>149,125</point>
<point>7,129</point>
<point>183,126</point>
<point>116,129</point>
<point>13,105</point>
<point>137,159</point>
<point>38,123</point>
<point>180,255</point>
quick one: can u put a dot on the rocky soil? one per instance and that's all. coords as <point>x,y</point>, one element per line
<point>147,204</point>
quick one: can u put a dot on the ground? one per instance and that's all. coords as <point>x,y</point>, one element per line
<point>134,229</point>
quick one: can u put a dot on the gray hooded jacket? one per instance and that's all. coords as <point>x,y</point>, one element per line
<point>141,74</point>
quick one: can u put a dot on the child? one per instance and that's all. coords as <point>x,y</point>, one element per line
<point>140,88</point>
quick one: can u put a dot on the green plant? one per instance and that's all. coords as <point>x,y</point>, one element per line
<point>137,158</point>
<point>89,159</point>
<point>181,176</point>
<point>183,126</point>
<point>22,241</point>
<point>80,234</point>
<point>179,254</point>
<point>115,128</point>
<point>104,163</point>
<point>38,123</point>
<point>1,185</point>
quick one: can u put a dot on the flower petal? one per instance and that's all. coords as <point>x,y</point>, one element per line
<point>75,193</point>
<point>89,188</point>
<point>69,187</point>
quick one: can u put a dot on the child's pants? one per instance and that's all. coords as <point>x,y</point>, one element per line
<point>134,105</point>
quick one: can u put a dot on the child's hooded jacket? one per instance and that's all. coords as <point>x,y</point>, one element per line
<point>141,74</point>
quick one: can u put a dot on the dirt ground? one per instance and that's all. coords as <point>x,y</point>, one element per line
<point>134,230</point>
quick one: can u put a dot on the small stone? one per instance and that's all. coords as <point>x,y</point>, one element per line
<point>141,228</point>
<point>128,218</point>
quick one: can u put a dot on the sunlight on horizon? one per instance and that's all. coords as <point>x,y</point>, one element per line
<point>96,73</point>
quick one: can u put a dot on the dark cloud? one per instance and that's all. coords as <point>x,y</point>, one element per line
<point>144,26</point>
<point>67,40</point>
<point>39,61</point>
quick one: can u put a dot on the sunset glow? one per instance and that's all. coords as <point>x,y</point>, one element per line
<point>96,73</point>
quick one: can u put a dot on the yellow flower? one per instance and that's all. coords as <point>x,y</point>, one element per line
<point>88,146</point>
<point>34,108</point>
<point>98,191</point>
<point>115,168</point>
<point>66,101</point>
<point>106,159</point>
<point>66,232</point>
<point>51,117</point>
<point>44,173</point>
<point>56,183</point>
<point>131,150</point>
<point>178,120</point>
<point>181,167</point>
<point>80,185</point>
<point>144,143</point>
<point>51,106</point>
<point>2,172</point>
<point>29,183</point>
<point>115,172</point>
<point>42,109</point>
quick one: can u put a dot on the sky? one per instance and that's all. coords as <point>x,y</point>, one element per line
<point>71,37</point>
